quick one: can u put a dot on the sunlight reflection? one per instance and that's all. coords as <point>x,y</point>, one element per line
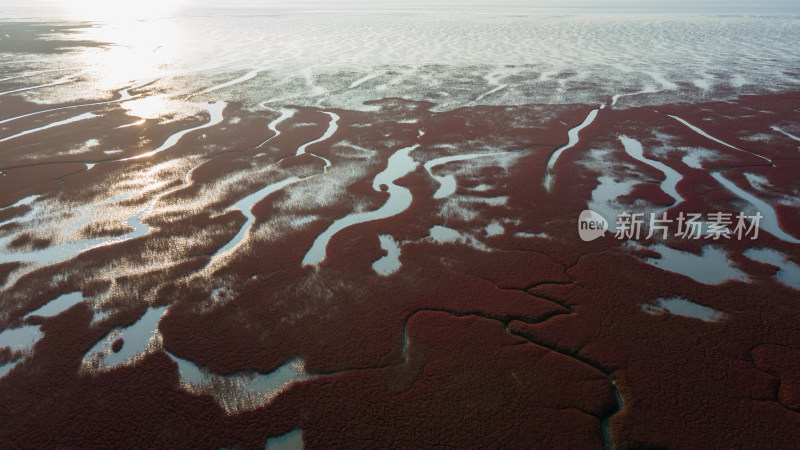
<point>152,107</point>
<point>135,50</point>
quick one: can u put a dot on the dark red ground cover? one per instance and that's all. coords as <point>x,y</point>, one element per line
<point>526,345</point>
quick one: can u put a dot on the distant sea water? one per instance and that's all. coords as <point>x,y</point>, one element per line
<point>335,55</point>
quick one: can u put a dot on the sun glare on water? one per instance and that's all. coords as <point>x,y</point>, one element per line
<point>141,40</point>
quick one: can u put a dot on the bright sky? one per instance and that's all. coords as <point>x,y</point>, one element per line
<point>765,6</point>
<point>711,5</point>
<point>91,9</point>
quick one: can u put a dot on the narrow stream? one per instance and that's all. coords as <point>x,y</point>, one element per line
<point>30,74</point>
<point>332,127</point>
<point>77,118</point>
<point>672,177</point>
<point>124,95</point>
<point>573,140</point>
<point>447,183</point>
<point>68,250</point>
<point>54,83</point>
<point>791,136</point>
<point>399,165</point>
<point>615,98</point>
<point>490,92</point>
<point>769,220</point>
<point>708,136</point>
<point>245,205</point>
<point>58,305</point>
<point>248,76</point>
<point>214,110</point>
<point>273,126</point>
